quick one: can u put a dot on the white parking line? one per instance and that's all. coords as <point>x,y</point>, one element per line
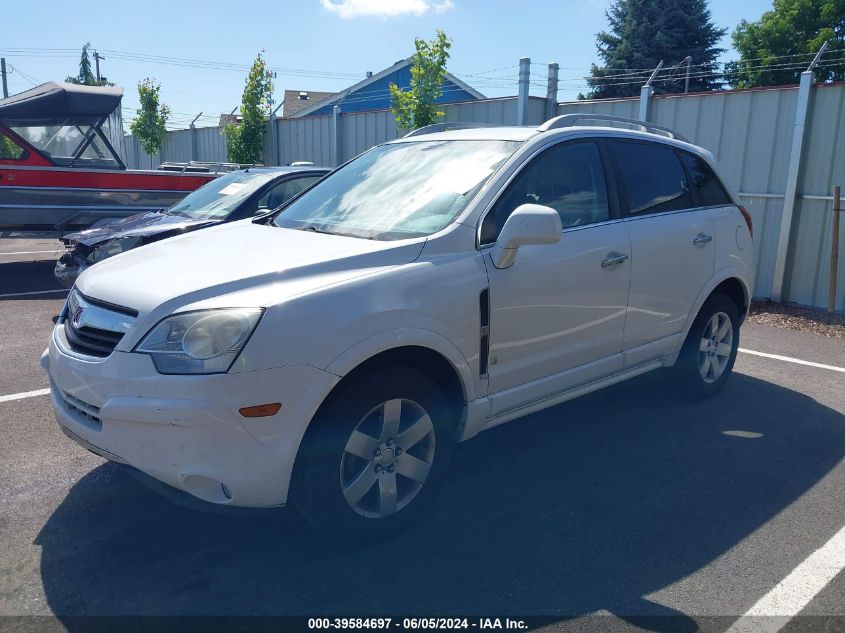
<point>789,359</point>
<point>25,394</point>
<point>55,250</point>
<point>37,292</point>
<point>789,597</point>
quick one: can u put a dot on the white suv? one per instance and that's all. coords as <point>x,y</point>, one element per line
<point>333,353</point>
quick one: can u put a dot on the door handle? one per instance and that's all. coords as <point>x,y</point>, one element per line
<point>613,260</point>
<point>701,239</point>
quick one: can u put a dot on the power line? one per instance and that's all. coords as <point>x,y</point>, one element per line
<point>180,61</point>
<point>761,69</point>
<point>29,78</point>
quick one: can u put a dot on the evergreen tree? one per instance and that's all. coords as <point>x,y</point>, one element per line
<point>86,76</point>
<point>644,32</point>
<point>777,47</point>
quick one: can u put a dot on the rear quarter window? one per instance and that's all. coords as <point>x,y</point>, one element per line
<point>708,188</point>
<point>652,177</point>
<point>9,150</point>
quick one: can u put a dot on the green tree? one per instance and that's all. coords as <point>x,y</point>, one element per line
<point>9,149</point>
<point>417,107</point>
<point>245,139</point>
<point>644,32</point>
<point>777,47</point>
<point>149,124</point>
<point>86,76</point>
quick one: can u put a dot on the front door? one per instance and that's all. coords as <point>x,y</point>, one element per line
<point>558,313</point>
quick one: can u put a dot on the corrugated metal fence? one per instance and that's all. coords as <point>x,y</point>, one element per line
<point>311,138</point>
<point>749,132</point>
<point>208,144</point>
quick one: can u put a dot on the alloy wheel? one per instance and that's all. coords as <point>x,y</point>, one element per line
<point>387,458</point>
<point>714,350</point>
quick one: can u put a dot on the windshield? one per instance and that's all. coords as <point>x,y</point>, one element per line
<point>399,190</point>
<point>68,143</point>
<point>220,197</point>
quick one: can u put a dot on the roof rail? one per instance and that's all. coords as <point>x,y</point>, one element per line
<point>442,127</point>
<point>568,120</point>
<point>204,167</point>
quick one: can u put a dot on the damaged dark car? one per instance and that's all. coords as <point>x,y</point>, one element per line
<point>233,196</point>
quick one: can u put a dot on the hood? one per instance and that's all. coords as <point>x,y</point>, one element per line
<point>138,225</point>
<point>239,257</point>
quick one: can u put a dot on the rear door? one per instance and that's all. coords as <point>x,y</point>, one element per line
<point>729,229</point>
<point>672,250</point>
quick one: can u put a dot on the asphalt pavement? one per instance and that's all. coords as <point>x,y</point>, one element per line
<point>629,502</point>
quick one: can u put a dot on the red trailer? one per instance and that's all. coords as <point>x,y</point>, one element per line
<point>61,166</point>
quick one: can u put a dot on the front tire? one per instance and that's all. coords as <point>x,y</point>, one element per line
<point>709,352</point>
<point>374,454</point>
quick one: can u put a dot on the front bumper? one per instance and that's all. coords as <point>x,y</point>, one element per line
<point>186,431</point>
<point>68,268</point>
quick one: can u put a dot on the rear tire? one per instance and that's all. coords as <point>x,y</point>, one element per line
<point>374,454</point>
<point>709,351</point>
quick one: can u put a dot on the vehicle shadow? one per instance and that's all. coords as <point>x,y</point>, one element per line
<point>590,505</point>
<point>25,277</point>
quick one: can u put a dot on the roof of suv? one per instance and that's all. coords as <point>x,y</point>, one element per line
<point>504,133</point>
<point>523,133</point>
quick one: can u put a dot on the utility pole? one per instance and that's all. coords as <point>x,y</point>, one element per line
<point>3,72</point>
<point>97,58</point>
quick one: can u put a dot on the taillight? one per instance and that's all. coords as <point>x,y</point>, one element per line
<point>747,217</point>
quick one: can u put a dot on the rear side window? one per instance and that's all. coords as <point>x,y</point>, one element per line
<point>652,177</point>
<point>708,189</point>
<point>568,178</point>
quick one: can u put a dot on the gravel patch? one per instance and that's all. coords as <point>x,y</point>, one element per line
<point>799,318</point>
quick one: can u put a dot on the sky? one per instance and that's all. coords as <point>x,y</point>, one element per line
<point>320,45</point>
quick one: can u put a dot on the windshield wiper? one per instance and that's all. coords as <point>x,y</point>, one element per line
<point>314,229</point>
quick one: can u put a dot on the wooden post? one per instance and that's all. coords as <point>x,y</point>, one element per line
<point>834,251</point>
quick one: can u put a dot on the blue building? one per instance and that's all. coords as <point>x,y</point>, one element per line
<point>373,94</point>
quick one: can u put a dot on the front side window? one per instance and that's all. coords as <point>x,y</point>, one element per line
<point>568,178</point>
<point>10,150</point>
<point>708,188</point>
<point>653,178</point>
<point>399,190</point>
<point>281,193</point>
<point>222,196</point>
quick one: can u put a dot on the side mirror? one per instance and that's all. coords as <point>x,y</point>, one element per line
<point>528,224</point>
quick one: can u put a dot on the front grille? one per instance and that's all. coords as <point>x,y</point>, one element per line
<point>93,327</point>
<point>90,340</point>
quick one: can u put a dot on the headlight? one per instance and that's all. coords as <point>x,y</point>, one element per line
<point>202,342</point>
<point>115,247</point>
